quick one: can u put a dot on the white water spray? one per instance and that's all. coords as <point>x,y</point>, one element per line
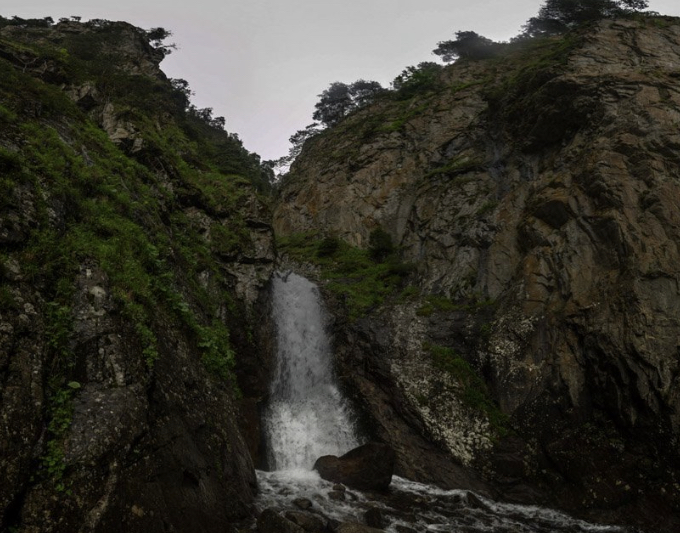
<point>307,416</point>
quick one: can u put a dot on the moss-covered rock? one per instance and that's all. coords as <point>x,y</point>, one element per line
<point>134,244</point>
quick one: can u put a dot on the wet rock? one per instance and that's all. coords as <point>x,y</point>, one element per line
<point>352,527</point>
<point>368,467</point>
<point>374,518</point>
<point>271,521</point>
<point>309,522</point>
<point>337,495</point>
<point>302,503</point>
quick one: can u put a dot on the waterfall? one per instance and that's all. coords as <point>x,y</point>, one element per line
<point>307,416</point>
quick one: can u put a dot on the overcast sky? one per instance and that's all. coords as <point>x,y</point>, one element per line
<point>262,63</point>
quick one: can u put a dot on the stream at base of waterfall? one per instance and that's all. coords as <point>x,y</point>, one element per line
<point>307,417</point>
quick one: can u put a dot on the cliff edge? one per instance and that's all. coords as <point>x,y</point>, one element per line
<point>536,196</point>
<point>133,244</point>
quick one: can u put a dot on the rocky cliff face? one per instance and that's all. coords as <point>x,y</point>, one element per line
<point>537,196</point>
<point>130,261</point>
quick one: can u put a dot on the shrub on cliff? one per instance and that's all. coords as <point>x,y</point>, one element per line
<point>467,45</point>
<point>380,245</point>
<point>340,99</point>
<point>558,16</point>
<point>417,79</point>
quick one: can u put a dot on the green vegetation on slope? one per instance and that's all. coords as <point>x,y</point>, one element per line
<point>362,278</point>
<point>72,199</point>
<point>475,393</point>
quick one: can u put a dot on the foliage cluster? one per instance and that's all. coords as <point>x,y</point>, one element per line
<point>416,80</point>
<point>340,99</point>
<point>475,393</point>
<point>95,204</point>
<point>434,303</point>
<point>554,17</point>
<point>538,61</point>
<point>363,279</point>
<point>467,45</point>
<point>113,220</point>
<point>61,415</point>
<point>559,16</point>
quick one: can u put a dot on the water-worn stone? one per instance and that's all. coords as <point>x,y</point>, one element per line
<point>270,521</point>
<point>374,518</point>
<point>302,503</point>
<point>353,527</point>
<point>309,522</point>
<point>368,467</point>
<point>336,495</point>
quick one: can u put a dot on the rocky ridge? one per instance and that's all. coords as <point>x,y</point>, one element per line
<point>535,195</point>
<point>131,258</point>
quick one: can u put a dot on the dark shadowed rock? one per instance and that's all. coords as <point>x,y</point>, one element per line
<point>351,527</point>
<point>272,522</point>
<point>302,503</point>
<point>309,522</point>
<point>336,495</point>
<point>374,518</point>
<point>368,467</point>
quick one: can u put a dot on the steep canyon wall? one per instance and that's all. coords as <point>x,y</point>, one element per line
<point>536,194</point>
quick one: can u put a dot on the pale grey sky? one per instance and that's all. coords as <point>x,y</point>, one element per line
<point>262,63</point>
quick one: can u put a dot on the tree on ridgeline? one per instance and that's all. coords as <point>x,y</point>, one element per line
<point>363,92</point>
<point>297,141</point>
<point>558,16</point>
<point>157,36</point>
<point>45,22</point>
<point>416,79</point>
<point>340,99</point>
<point>335,102</point>
<point>467,45</point>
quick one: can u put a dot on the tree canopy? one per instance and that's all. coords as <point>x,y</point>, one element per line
<point>157,36</point>
<point>467,45</point>
<point>340,99</point>
<point>297,141</point>
<point>557,16</point>
<point>415,79</point>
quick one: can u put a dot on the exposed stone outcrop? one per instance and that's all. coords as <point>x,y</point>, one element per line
<point>368,467</point>
<point>271,521</point>
<point>539,194</point>
<point>122,301</point>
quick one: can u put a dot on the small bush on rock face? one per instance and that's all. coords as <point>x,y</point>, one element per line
<point>380,244</point>
<point>327,247</point>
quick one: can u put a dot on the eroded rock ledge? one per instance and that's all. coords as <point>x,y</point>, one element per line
<point>537,195</point>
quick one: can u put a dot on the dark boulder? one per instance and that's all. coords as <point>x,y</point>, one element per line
<point>302,503</point>
<point>368,467</point>
<point>373,517</point>
<point>309,522</point>
<point>272,522</point>
<point>351,527</point>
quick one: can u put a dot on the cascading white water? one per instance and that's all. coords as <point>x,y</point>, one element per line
<point>307,416</point>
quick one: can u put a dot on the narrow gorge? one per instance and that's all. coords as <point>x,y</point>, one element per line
<point>480,272</point>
